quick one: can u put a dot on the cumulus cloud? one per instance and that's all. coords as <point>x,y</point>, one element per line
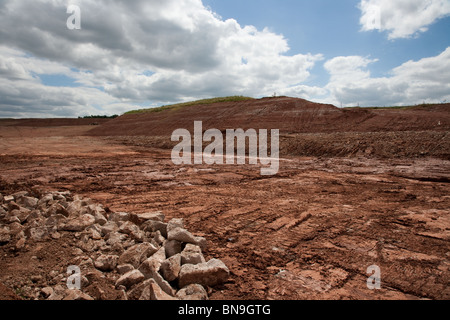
<point>130,52</point>
<point>22,93</point>
<point>402,18</point>
<point>426,80</point>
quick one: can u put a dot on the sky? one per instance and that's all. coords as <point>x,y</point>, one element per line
<point>61,58</point>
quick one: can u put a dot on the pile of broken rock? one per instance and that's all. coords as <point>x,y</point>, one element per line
<point>147,258</point>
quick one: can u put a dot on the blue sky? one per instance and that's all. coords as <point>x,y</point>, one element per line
<point>333,29</point>
<point>147,53</point>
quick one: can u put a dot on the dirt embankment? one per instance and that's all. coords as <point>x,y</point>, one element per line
<point>372,192</point>
<point>289,115</point>
<point>306,128</point>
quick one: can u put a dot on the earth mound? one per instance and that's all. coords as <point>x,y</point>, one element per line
<point>289,115</point>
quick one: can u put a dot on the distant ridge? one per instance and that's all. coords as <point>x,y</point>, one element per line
<point>290,115</point>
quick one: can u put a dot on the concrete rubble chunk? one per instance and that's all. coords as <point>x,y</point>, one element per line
<point>8,199</point>
<point>15,228</point>
<point>98,212</point>
<point>129,227</point>
<point>109,227</point>
<point>5,236</point>
<point>80,223</point>
<point>37,233</point>
<point>130,278</point>
<point>136,254</point>
<point>124,268</point>
<point>175,223</point>
<point>19,194</point>
<point>46,292</point>
<point>181,235</point>
<point>163,284</point>
<point>114,238</point>
<point>21,213</point>
<point>172,247</point>
<point>170,268</point>
<point>211,273</point>
<point>57,221</point>
<point>157,293</point>
<point>153,226</point>
<point>106,262</point>
<point>137,291</point>
<point>55,209</point>
<point>27,202</point>
<point>13,206</point>
<point>76,295</point>
<point>140,218</point>
<point>192,292</point>
<point>119,216</point>
<point>158,238</point>
<point>201,242</point>
<point>151,265</point>
<point>75,208</point>
<point>192,254</point>
<point>44,200</point>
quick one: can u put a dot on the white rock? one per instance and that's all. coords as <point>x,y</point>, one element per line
<point>130,278</point>
<point>151,265</point>
<point>192,292</point>
<point>172,247</point>
<point>80,223</point>
<point>109,227</point>
<point>27,202</point>
<point>181,235</point>
<point>157,293</point>
<point>76,295</point>
<point>129,227</point>
<point>136,254</point>
<point>211,273</point>
<point>175,223</point>
<point>192,254</point>
<point>5,237</point>
<point>37,233</point>
<point>75,208</point>
<point>98,212</point>
<point>124,268</point>
<point>106,262</point>
<point>8,199</point>
<point>140,218</point>
<point>154,226</point>
<point>170,268</point>
<point>119,216</point>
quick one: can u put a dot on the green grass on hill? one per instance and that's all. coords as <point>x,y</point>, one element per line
<point>191,103</point>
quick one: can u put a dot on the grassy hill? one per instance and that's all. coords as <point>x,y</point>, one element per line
<point>191,103</point>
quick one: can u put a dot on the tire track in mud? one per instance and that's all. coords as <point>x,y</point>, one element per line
<point>309,232</point>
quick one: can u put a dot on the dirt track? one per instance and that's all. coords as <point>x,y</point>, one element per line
<point>309,232</point>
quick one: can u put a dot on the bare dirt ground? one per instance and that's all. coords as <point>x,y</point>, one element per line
<point>309,232</point>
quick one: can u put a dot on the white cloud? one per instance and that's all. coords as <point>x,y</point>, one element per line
<point>413,82</point>
<point>23,95</point>
<point>402,18</point>
<point>146,50</point>
<point>130,54</point>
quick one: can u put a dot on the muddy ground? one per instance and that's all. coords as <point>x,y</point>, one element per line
<point>309,232</point>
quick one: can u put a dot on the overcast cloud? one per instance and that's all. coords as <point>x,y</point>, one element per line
<point>150,52</point>
<point>402,18</point>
